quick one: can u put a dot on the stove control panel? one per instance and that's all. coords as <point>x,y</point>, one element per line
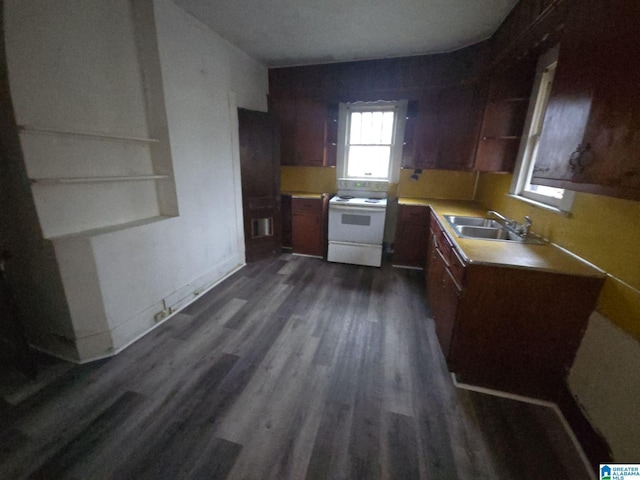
<point>364,185</point>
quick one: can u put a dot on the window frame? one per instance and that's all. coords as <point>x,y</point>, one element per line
<point>525,163</point>
<point>344,127</point>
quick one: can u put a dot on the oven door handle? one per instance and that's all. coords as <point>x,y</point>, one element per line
<point>344,208</point>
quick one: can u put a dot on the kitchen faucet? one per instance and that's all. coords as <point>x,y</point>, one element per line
<point>523,229</point>
<point>508,222</point>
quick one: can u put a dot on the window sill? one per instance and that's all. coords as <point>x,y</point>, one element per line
<point>540,205</point>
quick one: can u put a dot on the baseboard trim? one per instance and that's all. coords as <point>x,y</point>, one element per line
<point>131,342</point>
<point>407,267</point>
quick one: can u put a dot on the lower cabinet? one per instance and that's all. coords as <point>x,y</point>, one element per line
<point>443,294</point>
<point>412,234</point>
<point>502,327</point>
<point>308,225</point>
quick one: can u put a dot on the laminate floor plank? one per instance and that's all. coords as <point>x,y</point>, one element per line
<point>219,461</point>
<point>401,447</point>
<point>291,368</point>
<point>178,429</point>
<point>89,439</point>
<point>329,457</point>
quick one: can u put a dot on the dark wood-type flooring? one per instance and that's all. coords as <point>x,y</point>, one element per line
<point>292,368</point>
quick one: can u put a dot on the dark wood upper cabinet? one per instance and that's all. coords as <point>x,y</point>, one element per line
<point>420,149</point>
<point>442,129</point>
<point>591,135</point>
<point>504,117</point>
<point>308,129</point>
<point>459,117</point>
<point>284,111</point>
<point>310,132</point>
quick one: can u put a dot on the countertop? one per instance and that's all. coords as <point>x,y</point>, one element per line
<point>548,257</point>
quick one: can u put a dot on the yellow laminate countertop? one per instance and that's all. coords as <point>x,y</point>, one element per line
<point>548,257</point>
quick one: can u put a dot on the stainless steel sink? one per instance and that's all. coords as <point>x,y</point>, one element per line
<point>488,229</point>
<point>473,221</point>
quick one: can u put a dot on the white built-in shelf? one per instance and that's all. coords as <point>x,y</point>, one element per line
<point>124,178</point>
<point>95,232</point>
<point>93,135</point>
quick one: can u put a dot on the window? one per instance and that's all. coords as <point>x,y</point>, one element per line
<point>556,198</point>
<point>370,140</point>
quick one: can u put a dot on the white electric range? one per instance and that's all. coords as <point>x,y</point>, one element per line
<point>356,222</point>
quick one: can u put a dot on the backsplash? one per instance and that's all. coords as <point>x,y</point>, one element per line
<point>308,179</point>
<point>440,184</point>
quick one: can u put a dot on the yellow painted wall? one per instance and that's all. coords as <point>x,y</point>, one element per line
<point>441,184</point>
<point>308,179</point>
<point>603,230</point>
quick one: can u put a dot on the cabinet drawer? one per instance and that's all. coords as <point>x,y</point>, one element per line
<point>457,266</point>
<point>434,224</point>
<point>306,205</point>
<point>446,247</point>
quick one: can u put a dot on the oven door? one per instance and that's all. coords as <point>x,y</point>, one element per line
<point>356,224</point>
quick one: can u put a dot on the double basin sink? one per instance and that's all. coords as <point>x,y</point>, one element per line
<point>488,229</point>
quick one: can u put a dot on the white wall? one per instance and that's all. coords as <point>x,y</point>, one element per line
<point>604,378</point>
<point>133,270</point>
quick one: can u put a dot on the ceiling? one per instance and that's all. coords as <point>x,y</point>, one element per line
<point>301,32</point>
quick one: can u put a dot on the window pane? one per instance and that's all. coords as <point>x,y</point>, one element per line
<point>376,128</point>
<point>365,136</point>
<point>546,191</point>
<point>368,161</point>
<point>371,128</point>
<point>356,127</point>
<point>387,128</point>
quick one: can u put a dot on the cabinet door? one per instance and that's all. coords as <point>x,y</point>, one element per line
<point>443,295</point>
<point>590,139</point>
<point>311,118</point>
<point>306,234</point>
<point>459,116</point>
<point>331,136</point>
<point>412,235</point>
<point>284,110</point>
<point>308,226</point>
<point>420,147</point>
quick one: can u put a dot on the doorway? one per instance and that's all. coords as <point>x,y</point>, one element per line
<point>260,179</point>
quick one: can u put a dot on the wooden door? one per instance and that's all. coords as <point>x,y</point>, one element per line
<point>260,170</point>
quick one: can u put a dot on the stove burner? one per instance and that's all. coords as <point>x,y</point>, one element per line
<point>373,200</point>
<point>345,197</point>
